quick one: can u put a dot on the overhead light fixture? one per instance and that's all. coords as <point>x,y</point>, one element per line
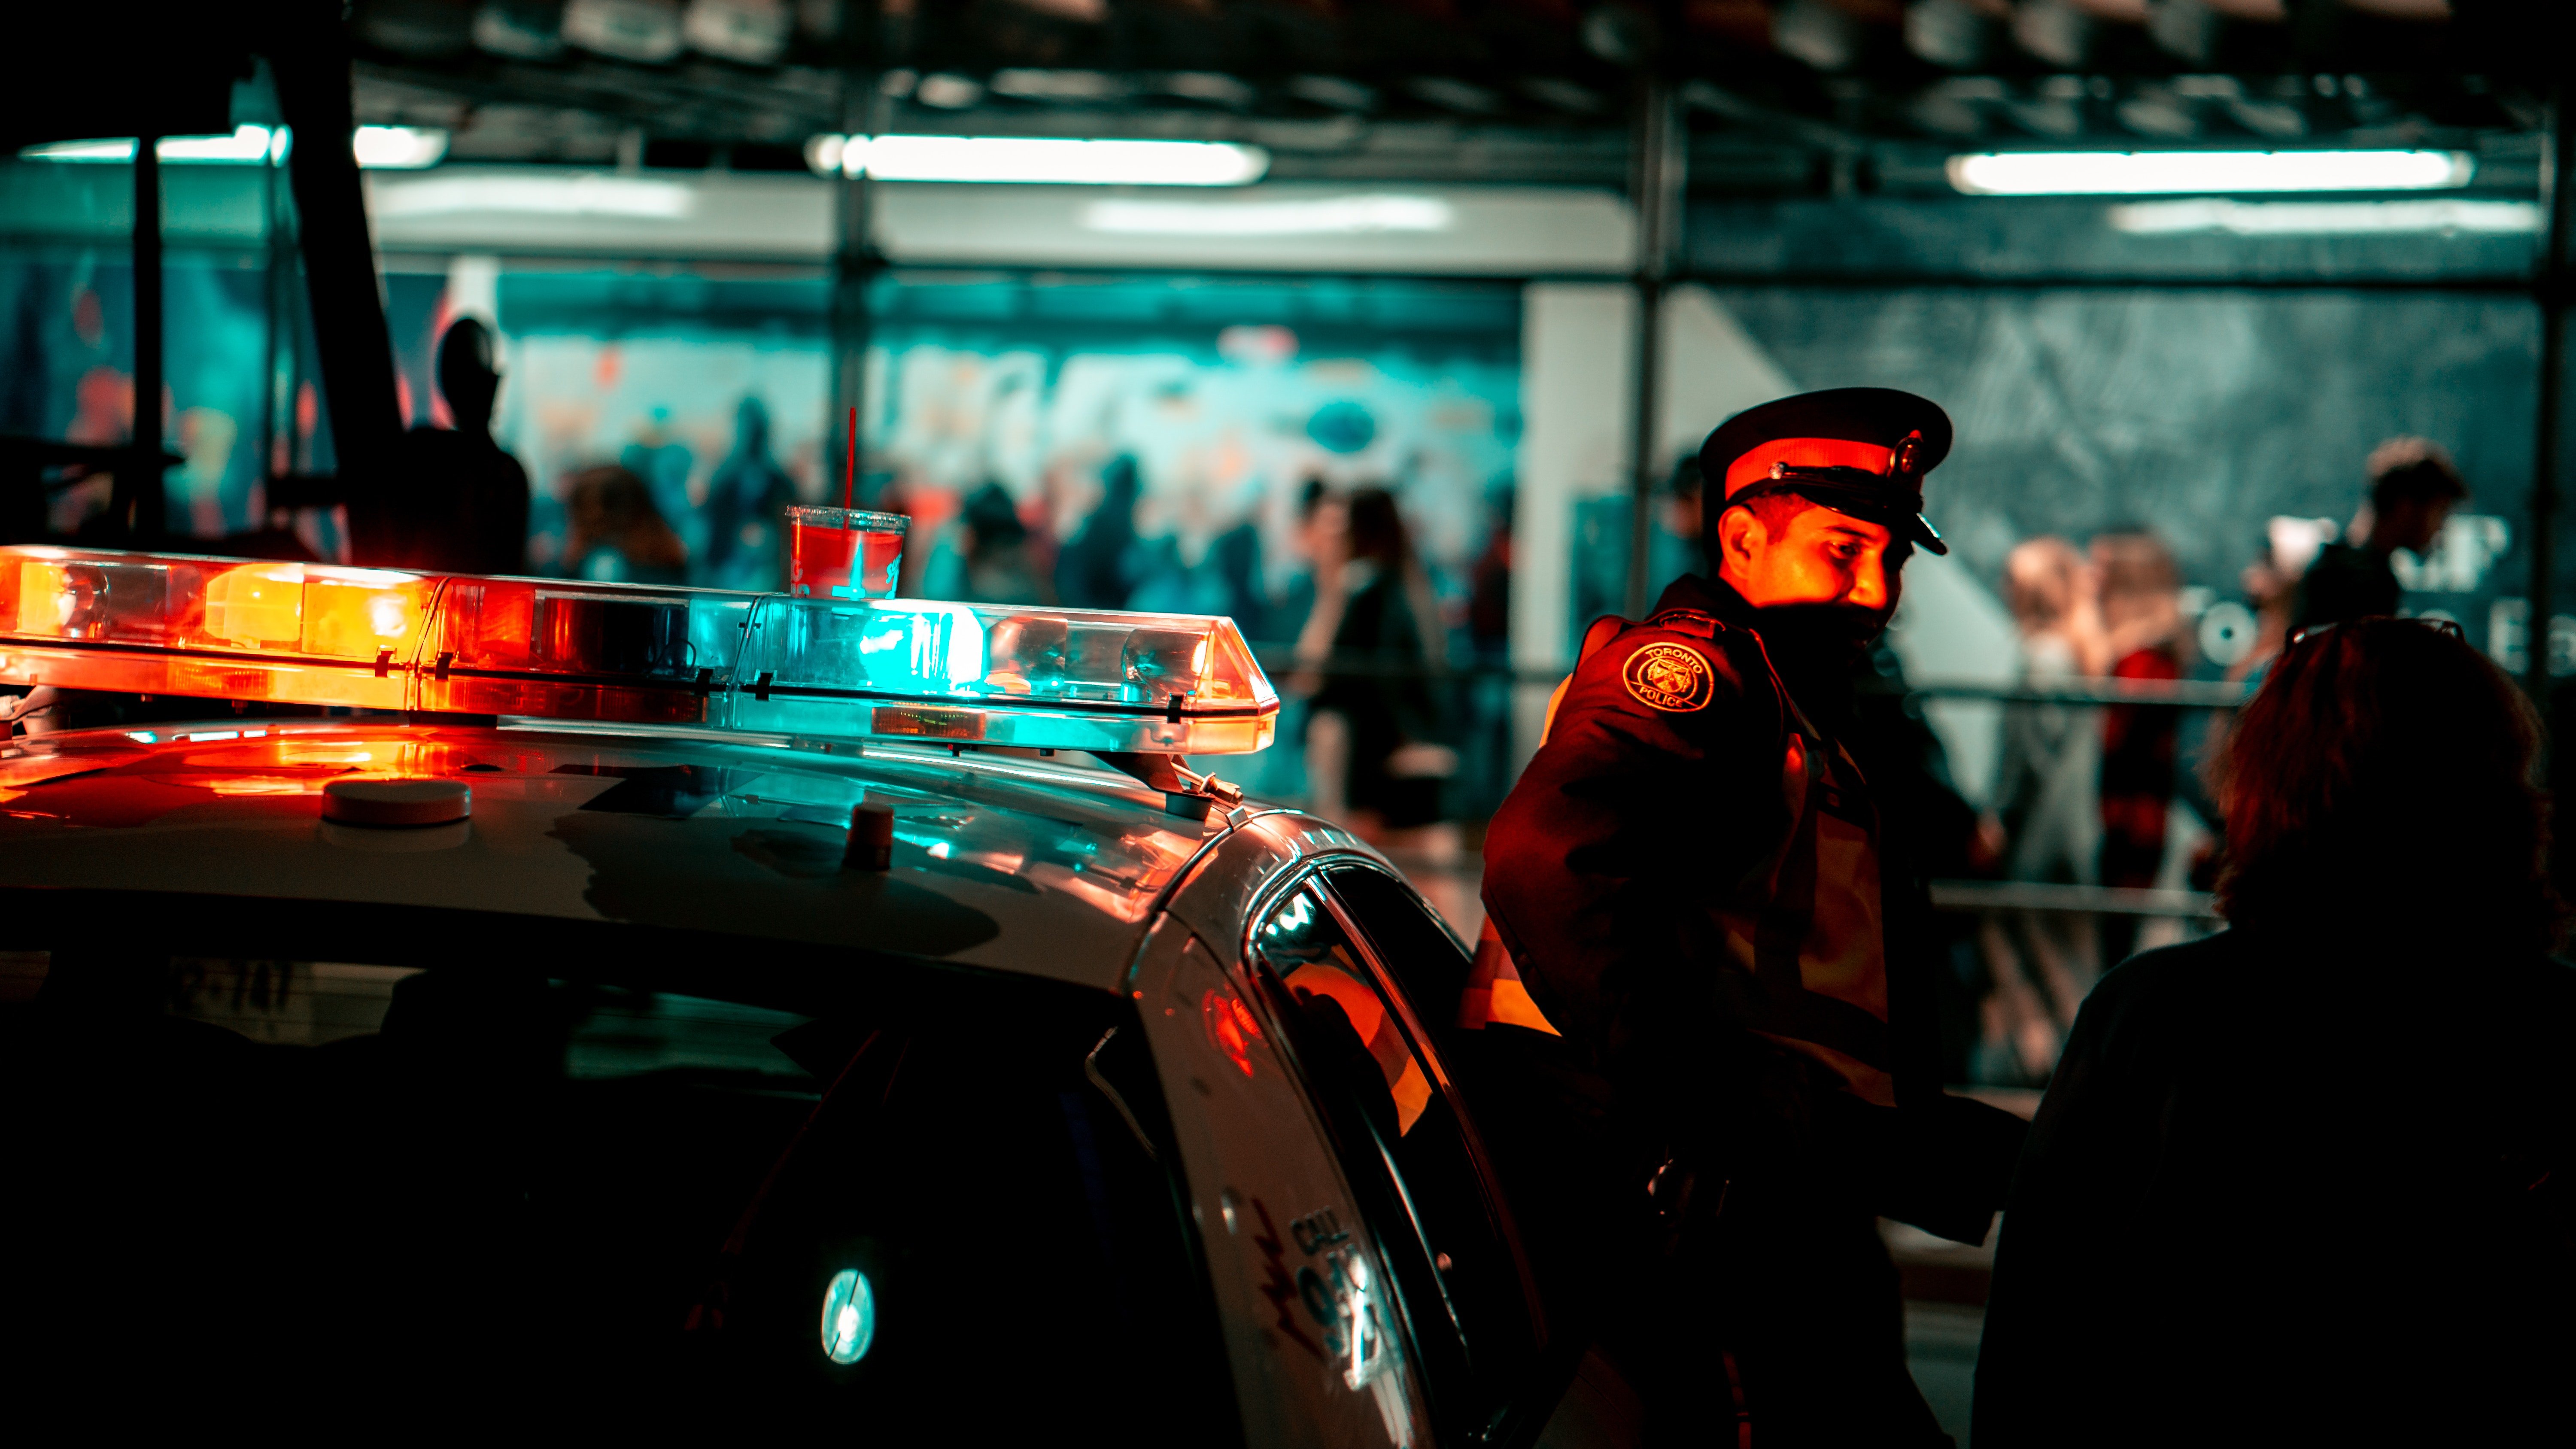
<point>1322,216</point>
<point>398,148</point>
<point>2146,173</point>
<point>463,193</point>
<point>376,147</point>
<point>1038,160</point>
<point>2324,218</point>
<point>245,144</point>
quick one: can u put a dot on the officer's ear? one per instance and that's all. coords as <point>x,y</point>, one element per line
<point>1741,537</point>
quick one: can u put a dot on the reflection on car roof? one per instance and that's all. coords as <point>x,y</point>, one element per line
<point>1033,866</point>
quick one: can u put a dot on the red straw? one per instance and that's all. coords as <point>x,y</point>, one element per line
<point>850,478</point>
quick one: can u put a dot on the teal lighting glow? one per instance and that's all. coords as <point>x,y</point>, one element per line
<point>849,1317</point>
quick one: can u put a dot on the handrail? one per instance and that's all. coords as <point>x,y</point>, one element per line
<point>1282,662</point>
<point>2022,895</point>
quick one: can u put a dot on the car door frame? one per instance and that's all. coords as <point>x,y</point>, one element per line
<point>1521,1415</point>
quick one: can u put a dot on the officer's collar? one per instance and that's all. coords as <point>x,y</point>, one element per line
<point>1714,597</point>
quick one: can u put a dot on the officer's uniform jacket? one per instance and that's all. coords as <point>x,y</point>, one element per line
<point>1691,884</point>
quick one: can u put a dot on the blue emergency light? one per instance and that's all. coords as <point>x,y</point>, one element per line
<point>1117,683</point>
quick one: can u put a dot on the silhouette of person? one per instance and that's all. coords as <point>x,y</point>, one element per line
<point>747,501</point>
<point>462,501</point>
<point>1097,568</point>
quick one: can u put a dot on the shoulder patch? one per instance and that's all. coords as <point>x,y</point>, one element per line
<point>1674,678</point>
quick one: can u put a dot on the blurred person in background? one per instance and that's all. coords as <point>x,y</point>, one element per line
<point>2048,810</point>
<point>1314,544</point>
<point>617,535</point>
<point>989,557</point>
<point>664,464</point>
<point>2313,1179</point>
<point>463,501</point>
<point>2271,585</point>
<point>1101,564</point>
<point>1378,729</point>
<point>747,503</point>
<point>2143,640</point>
<point>2414,486</point>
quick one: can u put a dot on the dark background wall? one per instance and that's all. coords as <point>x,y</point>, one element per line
<point>2198,413</point>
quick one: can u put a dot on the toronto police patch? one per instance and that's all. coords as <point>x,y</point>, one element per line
<point>1669,677</point>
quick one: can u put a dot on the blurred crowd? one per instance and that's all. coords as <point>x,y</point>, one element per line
<point>1398,700</point>
<point>2103,794</point>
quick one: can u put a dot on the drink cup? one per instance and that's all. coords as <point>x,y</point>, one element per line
<point>842,553</point>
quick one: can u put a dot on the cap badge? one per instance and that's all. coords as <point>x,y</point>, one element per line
<point>1906,449</point>
<point>1669,677</point>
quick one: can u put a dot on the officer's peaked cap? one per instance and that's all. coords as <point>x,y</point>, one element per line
<point>1858,450</point>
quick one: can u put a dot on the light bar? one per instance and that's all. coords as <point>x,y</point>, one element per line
<point>2146,173</point>
<point>1038,160</point>
<point>562,649</point>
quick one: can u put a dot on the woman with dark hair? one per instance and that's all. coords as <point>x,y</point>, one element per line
<point>618,536</point>
<point>2313,1179</point>
<point>1377,736</point>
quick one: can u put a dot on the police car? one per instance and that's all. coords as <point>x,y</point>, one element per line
<point>651,1003</point>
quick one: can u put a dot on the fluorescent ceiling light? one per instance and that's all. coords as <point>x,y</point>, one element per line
<point>80,151</point>
<point>1329,215</point>
<point>1041,160</point>
<point>377,147</point>
<point>2070,173</point>
<point>2324,218</point>
<point>398,148</point>
<point>247,144</point>
<point>455,194</point>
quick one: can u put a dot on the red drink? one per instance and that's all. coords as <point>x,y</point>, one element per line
<point>842,553</point>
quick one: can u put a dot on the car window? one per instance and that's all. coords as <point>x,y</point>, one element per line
<point>1409,1151</point>
<point>457,1185</point>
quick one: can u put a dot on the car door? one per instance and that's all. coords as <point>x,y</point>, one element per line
<point>1297,1272</point>
<point>1349,965</point>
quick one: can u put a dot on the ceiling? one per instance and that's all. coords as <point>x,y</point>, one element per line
<point>1782,96</point>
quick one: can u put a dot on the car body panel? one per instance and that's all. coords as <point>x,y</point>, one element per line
<point>1024,866</point>
<point>1316,1360</point>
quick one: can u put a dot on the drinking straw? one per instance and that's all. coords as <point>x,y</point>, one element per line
<point>850,476</point>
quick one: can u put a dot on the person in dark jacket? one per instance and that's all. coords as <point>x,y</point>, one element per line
<point>461,501</point>
<point>2413,487</point>
<point>1700,905</point>
<point>2313,1179</point>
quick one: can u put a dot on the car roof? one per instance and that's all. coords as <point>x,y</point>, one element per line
<point>1043,867</point>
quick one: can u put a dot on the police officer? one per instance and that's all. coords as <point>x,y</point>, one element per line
<point>1698,893</point>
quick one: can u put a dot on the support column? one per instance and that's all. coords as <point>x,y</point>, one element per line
<point>1658,166</point>
<point>2550,290</point>
<point>136,502</point>
<point>866,111</point>
<point>354,351</point>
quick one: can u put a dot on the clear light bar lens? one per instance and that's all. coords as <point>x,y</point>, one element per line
<point>2142,173</point>
<point>1059,679</point>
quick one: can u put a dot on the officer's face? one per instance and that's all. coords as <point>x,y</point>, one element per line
<point>1818,557</point>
